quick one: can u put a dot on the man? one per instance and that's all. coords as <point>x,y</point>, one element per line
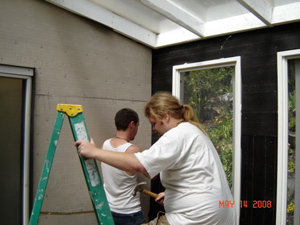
<point>119,185</point>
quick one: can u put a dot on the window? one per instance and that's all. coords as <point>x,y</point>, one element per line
<point>15,94</point>
<point>188,92</point>
<point>288,175</point>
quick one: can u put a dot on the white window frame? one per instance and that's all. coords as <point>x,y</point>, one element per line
<point>24,74</point>
<point>282,162</point>
<point>237,108</point>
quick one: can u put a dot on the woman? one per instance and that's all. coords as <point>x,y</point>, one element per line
<point>189,166</point>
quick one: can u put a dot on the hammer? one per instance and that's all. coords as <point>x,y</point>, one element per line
<point>138,188</point>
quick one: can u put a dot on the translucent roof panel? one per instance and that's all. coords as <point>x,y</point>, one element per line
<point>160,23</point>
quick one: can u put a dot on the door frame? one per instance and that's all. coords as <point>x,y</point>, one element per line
<point>25,74</point>
<point>237,111</point>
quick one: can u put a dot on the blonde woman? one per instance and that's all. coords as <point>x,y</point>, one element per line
<point>189,166</point>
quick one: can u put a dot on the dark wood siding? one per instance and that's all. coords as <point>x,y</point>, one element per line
<point>258,50</point>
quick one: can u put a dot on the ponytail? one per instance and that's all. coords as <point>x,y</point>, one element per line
<point>190,116</point>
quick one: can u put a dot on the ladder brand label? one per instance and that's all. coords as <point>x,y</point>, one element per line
<point>90,164</point>
<point>81,131</point>
<point>92,171</point>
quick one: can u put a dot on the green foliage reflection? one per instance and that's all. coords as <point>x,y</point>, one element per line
<point>210,93</point>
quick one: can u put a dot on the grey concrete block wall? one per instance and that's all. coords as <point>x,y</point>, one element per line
<point>76,61</point>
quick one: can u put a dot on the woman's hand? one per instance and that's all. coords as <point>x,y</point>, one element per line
<point>86,149</point>
<point>161,198</point>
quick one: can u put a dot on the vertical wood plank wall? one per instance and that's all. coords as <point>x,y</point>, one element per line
<point>258,51</point>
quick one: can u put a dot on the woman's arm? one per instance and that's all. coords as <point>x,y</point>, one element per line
<point>123,161</point>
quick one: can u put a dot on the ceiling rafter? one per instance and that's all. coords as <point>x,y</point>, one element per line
<point>161,23</point>
<point>262,9</point>
<point>177,14</point>
<point>119,24</point>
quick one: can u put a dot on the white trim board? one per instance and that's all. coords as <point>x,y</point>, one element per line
<point>282,162</point>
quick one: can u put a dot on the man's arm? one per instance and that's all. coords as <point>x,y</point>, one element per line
<point>133,149</point>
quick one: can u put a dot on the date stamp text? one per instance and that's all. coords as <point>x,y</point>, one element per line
<point>256,204</point>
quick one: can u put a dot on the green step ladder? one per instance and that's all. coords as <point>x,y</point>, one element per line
<point>89,166</point>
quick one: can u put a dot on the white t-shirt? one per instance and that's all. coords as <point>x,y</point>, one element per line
<point>192,174</point>
<point>119,186</point>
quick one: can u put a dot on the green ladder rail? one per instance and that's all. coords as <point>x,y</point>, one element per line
<point>89,166</point>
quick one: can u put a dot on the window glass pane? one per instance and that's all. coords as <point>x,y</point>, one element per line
<point>210,93</point>
<point>11,152</point>
<point>292,142</point>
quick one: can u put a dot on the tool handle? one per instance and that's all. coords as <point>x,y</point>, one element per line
<point>151,194</point>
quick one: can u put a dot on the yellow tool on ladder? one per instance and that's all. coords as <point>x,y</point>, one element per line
<point>89,166</point>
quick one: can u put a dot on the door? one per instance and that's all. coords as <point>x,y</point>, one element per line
<point>15,95</point>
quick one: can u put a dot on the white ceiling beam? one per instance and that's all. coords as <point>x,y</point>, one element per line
<point>177,14</point>
<point>119,24</point>
<point>178,36</point>
<point>233,25</point>
<point>286,13</point>
<point>262,9</point>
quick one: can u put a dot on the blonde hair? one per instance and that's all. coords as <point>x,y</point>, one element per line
<point>164,102</point>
